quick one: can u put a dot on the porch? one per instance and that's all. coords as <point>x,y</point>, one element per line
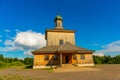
<point>68,59</point>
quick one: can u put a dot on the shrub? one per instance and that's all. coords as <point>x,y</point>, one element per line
<point>17,63</point>
<point>110,62</point>
<point>2,64</point>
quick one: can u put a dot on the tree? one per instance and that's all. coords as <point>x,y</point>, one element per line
<point>28,61</point>
<point>1,57</point>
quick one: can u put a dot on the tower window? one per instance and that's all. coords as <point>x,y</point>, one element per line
<point>61,42</point>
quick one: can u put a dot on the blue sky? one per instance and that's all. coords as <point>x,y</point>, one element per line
<point>97,24</point>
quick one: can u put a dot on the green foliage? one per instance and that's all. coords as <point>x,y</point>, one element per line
<point>6,62</point>
<point>1,57</point>
<point>17,63</point>
<point>106,60</point>
<point>2,64</point>
<point>28,61</point>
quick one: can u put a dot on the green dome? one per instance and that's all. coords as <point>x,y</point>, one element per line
<point>58,17</point>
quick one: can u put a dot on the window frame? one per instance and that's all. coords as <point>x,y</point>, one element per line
<point>61,42</point>
<point>46,57</point>
<point>82,56</point>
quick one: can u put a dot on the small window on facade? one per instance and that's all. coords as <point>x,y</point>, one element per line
<point>82,56</point>
<point>55,57</point>
<point>74,56</point>
<point>61,42</point>
<point>46,57</point>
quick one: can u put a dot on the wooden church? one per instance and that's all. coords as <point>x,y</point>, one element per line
<point>61,49</point>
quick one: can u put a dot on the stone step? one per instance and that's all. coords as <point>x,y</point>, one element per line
<point>68,66</point>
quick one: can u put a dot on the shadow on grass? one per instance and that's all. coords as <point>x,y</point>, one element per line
<point>45,69</point>
<point>28,67</point>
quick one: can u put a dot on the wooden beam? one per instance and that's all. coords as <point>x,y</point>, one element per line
<point>60,60</point>
<point>76,60</point>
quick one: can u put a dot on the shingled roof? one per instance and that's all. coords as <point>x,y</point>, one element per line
<point>65,48</point>
<point>47,49</point>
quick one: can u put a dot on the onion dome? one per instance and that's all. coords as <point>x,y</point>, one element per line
<point>58,17</point>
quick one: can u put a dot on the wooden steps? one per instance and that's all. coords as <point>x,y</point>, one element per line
<point>68,66</point>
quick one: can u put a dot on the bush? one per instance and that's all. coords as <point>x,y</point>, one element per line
<point>110,62</point>
<point>2,64</point>
<point>17,63</point>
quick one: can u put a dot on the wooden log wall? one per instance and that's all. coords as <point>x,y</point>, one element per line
<point>53,38</point>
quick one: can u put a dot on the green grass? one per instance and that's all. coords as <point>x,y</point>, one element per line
<point>48,69</point>
<point>6,67</point>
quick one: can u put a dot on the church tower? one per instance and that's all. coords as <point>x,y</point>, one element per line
<point>59,35</point>
<point>58,22</point>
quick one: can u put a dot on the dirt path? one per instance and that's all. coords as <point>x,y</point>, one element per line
<point>76,69</point>
<point>100,72</point>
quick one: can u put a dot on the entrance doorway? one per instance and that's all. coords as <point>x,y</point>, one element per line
<point>66,58</point>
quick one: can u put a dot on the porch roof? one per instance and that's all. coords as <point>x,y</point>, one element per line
<point>65,48</point>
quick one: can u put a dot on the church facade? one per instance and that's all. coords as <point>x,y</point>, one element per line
<point>61,49</point>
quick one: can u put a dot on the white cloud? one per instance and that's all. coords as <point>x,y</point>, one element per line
<point>10,46</point>
<point>17,30</point>
<point>30,40</point>
<point>28,52</point>
<point>99,54</point>
<point>25,41</point>
<point>9,42</point>
<point>111,49</point>
<point>7,30</point>
<point>11,49</point>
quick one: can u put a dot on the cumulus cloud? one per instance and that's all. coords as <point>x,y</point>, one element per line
<point>17,30</point>
<point>10,49</point>
<point>25,41</point>
<point>10,46</point>
<point>110,49</point>
<point>30,40</point>
<point>27,52</point>
<point>99,54</point>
